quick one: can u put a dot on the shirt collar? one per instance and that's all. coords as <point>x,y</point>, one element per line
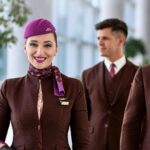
<point>119,63</point>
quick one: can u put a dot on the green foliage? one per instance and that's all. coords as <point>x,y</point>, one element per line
<point>133,47</point>
<point>12,12</point>
<point>146,61</point>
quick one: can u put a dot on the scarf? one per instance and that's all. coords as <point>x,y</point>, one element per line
<point>47,72</point>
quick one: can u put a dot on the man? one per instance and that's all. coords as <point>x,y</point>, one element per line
<point>107,86</point>
<point>135,133</point>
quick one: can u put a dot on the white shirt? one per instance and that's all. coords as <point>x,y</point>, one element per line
<point>40,101</point>
<point>119,64</point>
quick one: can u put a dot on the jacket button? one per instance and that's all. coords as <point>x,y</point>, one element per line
<point>39,127</point>
<point>106,125</point>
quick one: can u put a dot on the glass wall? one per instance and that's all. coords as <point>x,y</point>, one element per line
<point>129,16</point>
<point>77,37</point>
<point>74,21</point>
<point>3,64</point>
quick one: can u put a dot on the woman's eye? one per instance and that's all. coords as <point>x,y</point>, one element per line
<point>48,45</point>
<point>33,44</point>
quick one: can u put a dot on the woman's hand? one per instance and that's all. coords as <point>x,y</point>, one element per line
<point>1,145</point>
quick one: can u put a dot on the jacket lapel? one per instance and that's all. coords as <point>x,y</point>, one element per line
<point>100,83</point>
<point>124,81</point>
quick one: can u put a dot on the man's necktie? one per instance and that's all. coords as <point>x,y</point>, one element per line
<point>112,69</point>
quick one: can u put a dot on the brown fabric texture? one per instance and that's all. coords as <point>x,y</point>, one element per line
<point>106,108</point>
<point>136,125</point>
<point>18,103</point>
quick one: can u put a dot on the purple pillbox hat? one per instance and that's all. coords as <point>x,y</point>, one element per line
<point>38,27</point>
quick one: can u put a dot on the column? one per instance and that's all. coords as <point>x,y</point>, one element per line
<point>111,8</point>
<point>142,22</point>
<point>16,59</point>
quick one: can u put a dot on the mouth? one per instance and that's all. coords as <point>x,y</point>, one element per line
<point>102,48</point>
<point>40,59</point>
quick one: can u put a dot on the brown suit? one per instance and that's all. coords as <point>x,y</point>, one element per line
<point>136,124</point>
<point>105,117</point>
<point>18,103</point>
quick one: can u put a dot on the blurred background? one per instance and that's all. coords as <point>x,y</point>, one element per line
<point>74,21</point>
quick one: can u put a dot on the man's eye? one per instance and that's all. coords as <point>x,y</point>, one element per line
<point>33,44</point>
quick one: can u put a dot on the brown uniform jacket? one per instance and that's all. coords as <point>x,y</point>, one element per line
<point>18,103</point>
<point>105,119</point>
<point>136,124</point>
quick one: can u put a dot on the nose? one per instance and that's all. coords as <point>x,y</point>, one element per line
<point>101,42</point>
<point>39,50</point>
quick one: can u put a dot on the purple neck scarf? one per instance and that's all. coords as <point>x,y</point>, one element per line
<point>46,72</point>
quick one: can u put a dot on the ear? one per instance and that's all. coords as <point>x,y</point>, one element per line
<point>122,40</point>
<point>56,51</point>
<point>24,49</point>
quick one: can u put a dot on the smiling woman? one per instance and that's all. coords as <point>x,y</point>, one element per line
<point>44,103</point>
<point>40,50</point>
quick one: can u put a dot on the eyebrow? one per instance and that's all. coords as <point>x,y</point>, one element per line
<point>34,41</point>
<point>44,41</point>
<point>48,42</point>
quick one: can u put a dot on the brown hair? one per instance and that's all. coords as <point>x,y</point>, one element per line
<point>113,23</point>
<point>55,37</point>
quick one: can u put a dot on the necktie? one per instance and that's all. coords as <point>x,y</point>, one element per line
<point>112,69</point>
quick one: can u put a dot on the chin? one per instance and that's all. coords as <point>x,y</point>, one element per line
<point>41,65</point>
<point>103,55</point>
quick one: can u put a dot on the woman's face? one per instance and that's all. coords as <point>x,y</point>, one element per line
<point>40,50</point>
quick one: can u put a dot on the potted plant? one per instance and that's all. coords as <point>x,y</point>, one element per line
<point>12,12</point>
<point>134,46</point>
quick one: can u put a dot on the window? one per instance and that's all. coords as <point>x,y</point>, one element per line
<point>2,63</point>
<point>129,15</point>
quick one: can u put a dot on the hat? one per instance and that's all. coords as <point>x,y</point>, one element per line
<point>38,27</point>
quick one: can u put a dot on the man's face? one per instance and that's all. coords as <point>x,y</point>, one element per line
<point>110,43</point>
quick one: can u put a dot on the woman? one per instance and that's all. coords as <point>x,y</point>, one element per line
<point>44,103</point>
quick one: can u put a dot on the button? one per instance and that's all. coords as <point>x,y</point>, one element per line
<point>106,125</point>
<point>39,127</point>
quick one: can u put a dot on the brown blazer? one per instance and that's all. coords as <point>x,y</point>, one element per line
<point>18,103</point>
<point>105,119</point>
<point>136,124</point>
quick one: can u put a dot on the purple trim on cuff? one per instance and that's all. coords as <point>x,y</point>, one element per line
<point>2,142</point>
